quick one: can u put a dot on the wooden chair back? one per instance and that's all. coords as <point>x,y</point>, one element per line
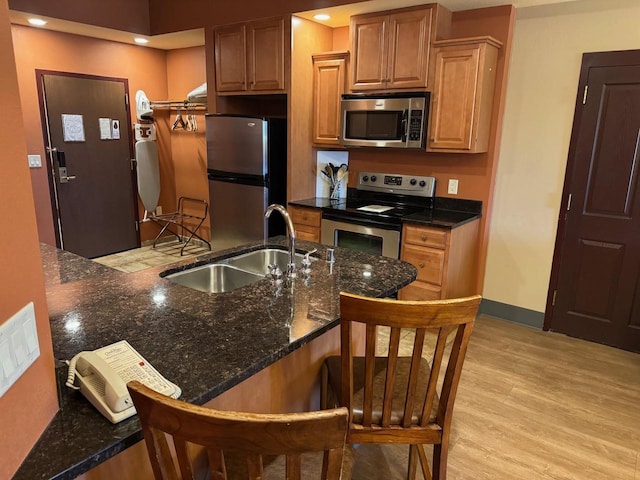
<point>399,397</point>
<point>248,435</point>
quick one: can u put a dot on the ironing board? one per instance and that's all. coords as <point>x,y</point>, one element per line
<point>191,212</point>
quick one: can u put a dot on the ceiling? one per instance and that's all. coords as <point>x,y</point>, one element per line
<point>339,17</point>
<point>169,41</point>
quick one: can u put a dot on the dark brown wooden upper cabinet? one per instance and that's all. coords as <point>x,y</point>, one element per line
<point>252,57</point>
<point>391,49</point>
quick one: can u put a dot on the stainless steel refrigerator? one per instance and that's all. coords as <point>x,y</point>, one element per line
<point>247,170</point>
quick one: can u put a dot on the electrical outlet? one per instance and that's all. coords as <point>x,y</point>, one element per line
<point>453,186</point>
<point>158,210</point>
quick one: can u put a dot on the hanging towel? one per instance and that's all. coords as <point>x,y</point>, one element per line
<point>198,94</point>
<point>143,106</point>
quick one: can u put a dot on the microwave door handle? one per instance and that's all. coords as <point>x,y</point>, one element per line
<point>405,124</point>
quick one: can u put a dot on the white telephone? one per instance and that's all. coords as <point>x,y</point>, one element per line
<point>102,377</point>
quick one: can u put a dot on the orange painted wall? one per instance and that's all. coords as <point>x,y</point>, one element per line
<point>145,68</point>
<point>186,70</point>
<point>28,406</point>
<point>476,173</point>
<point>341,38</point>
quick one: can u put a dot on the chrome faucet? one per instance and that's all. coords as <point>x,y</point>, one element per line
<point>291,234</point>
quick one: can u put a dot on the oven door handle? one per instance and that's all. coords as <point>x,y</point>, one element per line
<point>347,218</point>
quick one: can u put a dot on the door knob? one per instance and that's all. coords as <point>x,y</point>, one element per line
<point>64,178</point>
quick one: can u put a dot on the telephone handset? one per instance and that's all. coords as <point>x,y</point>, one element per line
<point>102,377</point>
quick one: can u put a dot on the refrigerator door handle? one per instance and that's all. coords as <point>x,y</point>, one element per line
<point>253,180</point>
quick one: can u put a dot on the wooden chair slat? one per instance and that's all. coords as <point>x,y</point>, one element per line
<point>248,435</point>
<point>370,355</point>
<point>294,467</point>
<point>389,384</point>
<point>414,376</point>
<point>254,467</point>
<point>159,449</point>
<point>436,363</point>
<point>216,464</point>
<point>184,461</point>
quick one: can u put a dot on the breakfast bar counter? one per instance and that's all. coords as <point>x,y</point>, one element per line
<point>205,343</point>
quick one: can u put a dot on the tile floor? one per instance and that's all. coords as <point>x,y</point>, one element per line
<point>145,257</point>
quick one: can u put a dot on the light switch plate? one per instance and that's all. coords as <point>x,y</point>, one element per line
<point>34,161</point>
<point>19,346</point>
<point>453,186</point>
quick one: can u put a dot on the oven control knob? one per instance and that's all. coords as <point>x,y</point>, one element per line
<point>422,183</point>
<point>373,178</point>
<point>365,178</point>
<point>413,181</point>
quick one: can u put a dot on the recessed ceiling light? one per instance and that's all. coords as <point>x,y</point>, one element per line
<point>37,22</point>
<point>322,16</point>
<point>141,40</point>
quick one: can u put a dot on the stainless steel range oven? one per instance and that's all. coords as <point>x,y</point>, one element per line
<point>371,218</point>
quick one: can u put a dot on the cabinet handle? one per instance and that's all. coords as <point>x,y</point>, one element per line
<point>421,265</point>
<point>423,238</point>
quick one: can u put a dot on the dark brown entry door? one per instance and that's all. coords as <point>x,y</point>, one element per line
<point>94,196</point>
<point>598,276</point>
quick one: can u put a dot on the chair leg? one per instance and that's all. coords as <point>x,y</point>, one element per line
<point>416,452</point>
<point>413,462</point>
<point>440,453</point>
<point>424,463</point>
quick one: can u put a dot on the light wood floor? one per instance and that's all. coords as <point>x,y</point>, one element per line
<point>534,405</point>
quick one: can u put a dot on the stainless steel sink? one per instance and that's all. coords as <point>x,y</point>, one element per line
<point>234,272</point>
<point>215,278</point>
<point>258,261</point>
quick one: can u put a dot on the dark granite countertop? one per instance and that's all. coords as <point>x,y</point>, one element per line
<point>441,218</point>
<point>447,213</point>
<point>205,343</point>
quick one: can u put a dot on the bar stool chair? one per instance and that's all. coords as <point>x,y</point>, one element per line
<point>393,398</point>
<point>245,434</point>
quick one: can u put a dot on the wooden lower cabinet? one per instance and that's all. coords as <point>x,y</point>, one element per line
<point>446,261</point>
<point>306,221</point>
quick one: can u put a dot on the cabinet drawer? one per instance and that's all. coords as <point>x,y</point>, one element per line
<point>305,232</point>
<point>428,237</point>
<point>419,291</point>
<point>305,216</point>
<point>428,261</point>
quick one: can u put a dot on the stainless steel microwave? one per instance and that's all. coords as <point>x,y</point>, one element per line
<point>396,120</point>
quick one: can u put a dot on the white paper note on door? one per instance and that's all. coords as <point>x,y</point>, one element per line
<point>105,128</point>
<point>72,128</point>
